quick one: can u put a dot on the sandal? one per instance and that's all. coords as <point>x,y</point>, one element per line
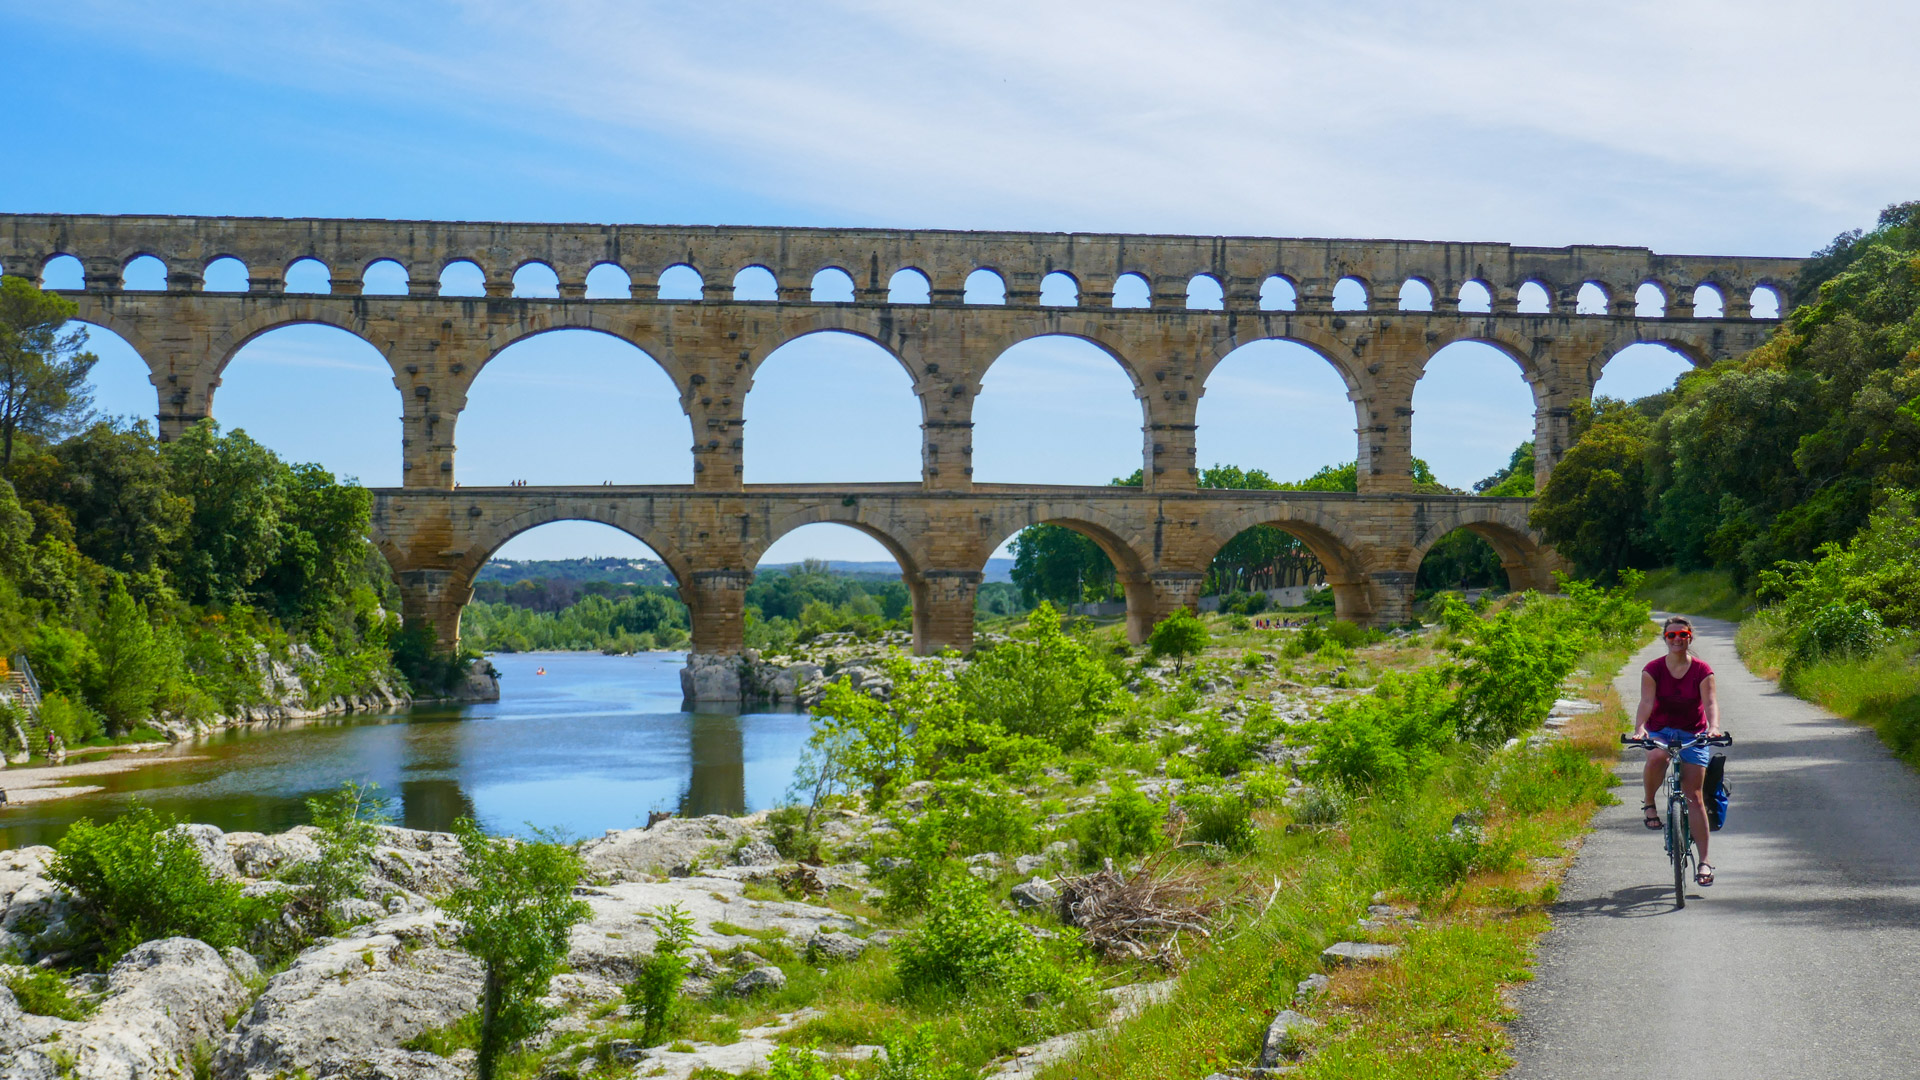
<point>1652,818</point>
<point>1703,877</point>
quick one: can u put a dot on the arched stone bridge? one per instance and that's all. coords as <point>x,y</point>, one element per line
<point>943,528</point>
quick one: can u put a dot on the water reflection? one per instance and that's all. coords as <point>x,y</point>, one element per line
<point>594,744</point>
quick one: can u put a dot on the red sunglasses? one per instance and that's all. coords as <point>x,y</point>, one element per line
<point>1679,635</point>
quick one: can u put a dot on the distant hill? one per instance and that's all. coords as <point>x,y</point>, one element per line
<point>649,572</point>
<point>614,571</point>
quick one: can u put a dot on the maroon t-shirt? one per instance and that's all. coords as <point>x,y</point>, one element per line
<point>1676,702</point>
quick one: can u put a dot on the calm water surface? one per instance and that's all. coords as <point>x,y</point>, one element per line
<point>594,744</point>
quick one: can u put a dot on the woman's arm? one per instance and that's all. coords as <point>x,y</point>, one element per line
<point>1645,711</point>
<point>1710,703</point>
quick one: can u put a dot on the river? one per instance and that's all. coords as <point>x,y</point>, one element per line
<point>595,743</point>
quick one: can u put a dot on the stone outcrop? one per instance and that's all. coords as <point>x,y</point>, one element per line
<point>747,679</point>
<point>350,998</point>
<point>164,998</point>
<point>611,943</point>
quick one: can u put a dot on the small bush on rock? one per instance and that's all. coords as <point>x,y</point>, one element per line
<point>44,993</point>
<point>651,996</point>
<point>138,878</point>
<point>969,945</point>
<point>1122,824</point>
<point>349,821</point>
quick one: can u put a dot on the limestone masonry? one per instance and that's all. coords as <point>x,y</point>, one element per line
<point>711,533</point>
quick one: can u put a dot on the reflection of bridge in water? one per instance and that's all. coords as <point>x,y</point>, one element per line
<point>1160,536</point>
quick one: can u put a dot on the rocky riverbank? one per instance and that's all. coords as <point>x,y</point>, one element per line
<point>346,1006</point>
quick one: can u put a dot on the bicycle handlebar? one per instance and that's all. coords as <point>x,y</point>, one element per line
<point>1649,743</point>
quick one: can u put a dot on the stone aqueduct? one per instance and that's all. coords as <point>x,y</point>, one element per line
<point>711,533</point>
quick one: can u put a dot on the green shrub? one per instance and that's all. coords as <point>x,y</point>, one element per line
<point>72,720</point>
<point>653,992</point>
<point>1223,820</point>
<point>348,821</point>
<point>1043,683</point>
<point>42,992</point>
<point>138,878</point>
<point>1838,631</point>
<point>797,1063</point>
<point>1122,824</point>
<point>916,1056</point>
<point>982,815</point>
<point>1554,777</point>
<point>1180,635</point>
<point>788,830</point>
<point>1390,738</point>
<point>1351,635</point>
<point>969,945</point>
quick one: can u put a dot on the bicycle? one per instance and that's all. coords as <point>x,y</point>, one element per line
<point>1679,832</point>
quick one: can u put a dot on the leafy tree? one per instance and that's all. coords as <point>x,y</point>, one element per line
<point>112,486</point>
<point>518,909</point>
<point>1180,635</point>
<point>1594,507</point>
<point>1058,564</point>
<point>1515,479</point>
<point>43,373</point>
<point>233,534</point>
<point>1044,683</point>
<point>130,671</point>
<point>1460,560</point>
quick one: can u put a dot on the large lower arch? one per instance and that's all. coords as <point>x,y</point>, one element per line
<point>573,406</point>
<point>1525,556</point>
<point>1359,594</point>
<point>436,585</point>
<point>1150,596</point>
<point>933,614</point>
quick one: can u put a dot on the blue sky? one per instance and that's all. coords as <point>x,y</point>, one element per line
<point>1752,128</point>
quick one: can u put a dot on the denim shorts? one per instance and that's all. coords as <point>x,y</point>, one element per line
<point>1696,755</point>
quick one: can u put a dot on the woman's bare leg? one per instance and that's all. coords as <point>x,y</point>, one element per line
<point>1692,779</point>
<point>1656,772</point>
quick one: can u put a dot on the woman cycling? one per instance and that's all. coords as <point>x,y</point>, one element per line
<point>1677,702</point>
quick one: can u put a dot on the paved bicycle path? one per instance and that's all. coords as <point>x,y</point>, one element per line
<point>1803,961</point>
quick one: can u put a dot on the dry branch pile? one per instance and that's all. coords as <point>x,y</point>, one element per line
<point>1141,917</point>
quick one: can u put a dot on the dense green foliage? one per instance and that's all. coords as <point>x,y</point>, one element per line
<point>1044,682</point>
<point>140,877</point>
<point>43,373</point>
<point>517,909</point>
<point>650,618</point>
<point>1749,463</point>
<point>1180,635</point>
<point>969,945</point>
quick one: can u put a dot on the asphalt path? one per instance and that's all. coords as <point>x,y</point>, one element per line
<point>1801,961</point>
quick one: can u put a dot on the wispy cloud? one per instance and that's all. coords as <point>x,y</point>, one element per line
<point>1679,125</point>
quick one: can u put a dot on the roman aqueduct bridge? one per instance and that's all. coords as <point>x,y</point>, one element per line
<point>1161,536</point>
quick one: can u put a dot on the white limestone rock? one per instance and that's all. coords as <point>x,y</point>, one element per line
<point>611,943</point>
<point>670,842</point>
<point>711,679</point>
<point>350,997</point>
<point>163,999</point>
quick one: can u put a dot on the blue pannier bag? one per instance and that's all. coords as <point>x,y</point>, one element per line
<point>1717,791</point>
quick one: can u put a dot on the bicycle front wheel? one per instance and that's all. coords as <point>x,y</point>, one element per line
<point>1677,849</point>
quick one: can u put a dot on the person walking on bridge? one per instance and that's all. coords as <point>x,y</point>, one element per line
<point>1677,702</point>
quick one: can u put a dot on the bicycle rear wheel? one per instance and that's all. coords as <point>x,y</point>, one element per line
<point>1678,848</point>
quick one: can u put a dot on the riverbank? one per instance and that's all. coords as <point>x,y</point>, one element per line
<point>1198,806</point>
